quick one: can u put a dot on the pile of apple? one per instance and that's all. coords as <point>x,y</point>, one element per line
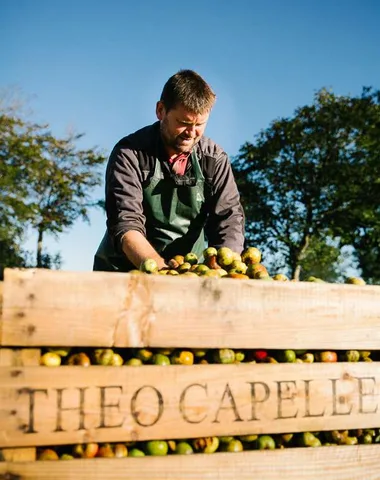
<point>210,444</point>
<point>53,357</point>
<point>223,262</point>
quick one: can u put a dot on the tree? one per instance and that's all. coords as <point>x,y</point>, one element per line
<point>10,249</point>
<point>13,211</point>
<point>324,259</point>
<point>313,179</point>
<point>61,184</point>
<point>45,182</point>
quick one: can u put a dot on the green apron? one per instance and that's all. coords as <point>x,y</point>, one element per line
<point>175,217</point>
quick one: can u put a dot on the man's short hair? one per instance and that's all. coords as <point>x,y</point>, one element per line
<point>188,88</point>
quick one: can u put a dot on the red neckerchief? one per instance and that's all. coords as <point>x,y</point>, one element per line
<point>179,163</point>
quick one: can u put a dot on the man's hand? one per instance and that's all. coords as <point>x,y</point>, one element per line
<point>173,264</point>
<point>137,249</point>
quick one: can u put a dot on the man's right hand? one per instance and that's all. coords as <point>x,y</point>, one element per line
<point>137,249</point>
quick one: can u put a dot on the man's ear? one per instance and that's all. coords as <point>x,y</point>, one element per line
<point>160,110</point>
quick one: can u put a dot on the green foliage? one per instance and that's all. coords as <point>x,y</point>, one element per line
<point>46,183</point>
<point>10,251</point>
<point>315,176</point>
<point>324,259</point>
<point>368,254</point>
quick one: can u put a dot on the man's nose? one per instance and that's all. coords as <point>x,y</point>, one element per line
<point>191,131</point>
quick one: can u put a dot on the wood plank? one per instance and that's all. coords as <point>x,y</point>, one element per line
<point>37,303</point>
<point>330,463</point>
<point>18,358</point>
<point>116,309</point>
<point>41,406</point>
<point>1,311</point>
<point>25,454</point>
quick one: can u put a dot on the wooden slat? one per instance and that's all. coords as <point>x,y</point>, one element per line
<point>1,311</point>
<point>115,309</point>
<point>26,454</point>
<point>45,406</point>
<point>18,358</point>
<point>329,463</point>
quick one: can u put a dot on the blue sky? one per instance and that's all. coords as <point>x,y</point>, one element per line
<point>99,67</point>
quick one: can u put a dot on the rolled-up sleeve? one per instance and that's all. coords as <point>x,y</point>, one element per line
<point>124,195</point>
<point>225,226</point>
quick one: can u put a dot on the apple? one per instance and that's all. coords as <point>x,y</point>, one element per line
<point>266,442</point>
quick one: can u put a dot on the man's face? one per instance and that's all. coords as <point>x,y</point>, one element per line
<point>180,129</point>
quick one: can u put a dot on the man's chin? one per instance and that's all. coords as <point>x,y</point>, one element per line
<point>185,147</point>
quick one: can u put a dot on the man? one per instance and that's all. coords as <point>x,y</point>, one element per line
<point>168,187</point>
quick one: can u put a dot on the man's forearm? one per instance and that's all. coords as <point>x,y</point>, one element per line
<point>137,249</point>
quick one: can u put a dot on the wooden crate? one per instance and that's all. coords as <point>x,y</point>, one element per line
<point>66,405</point>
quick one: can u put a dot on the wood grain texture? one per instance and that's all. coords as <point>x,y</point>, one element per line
<point>18,358</point>
<point>66,405</point>
<point>329,463</point>
<point>116,309</point>
<point>1,311</point>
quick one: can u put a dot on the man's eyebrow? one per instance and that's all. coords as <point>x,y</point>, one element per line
<point>185,122</point>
